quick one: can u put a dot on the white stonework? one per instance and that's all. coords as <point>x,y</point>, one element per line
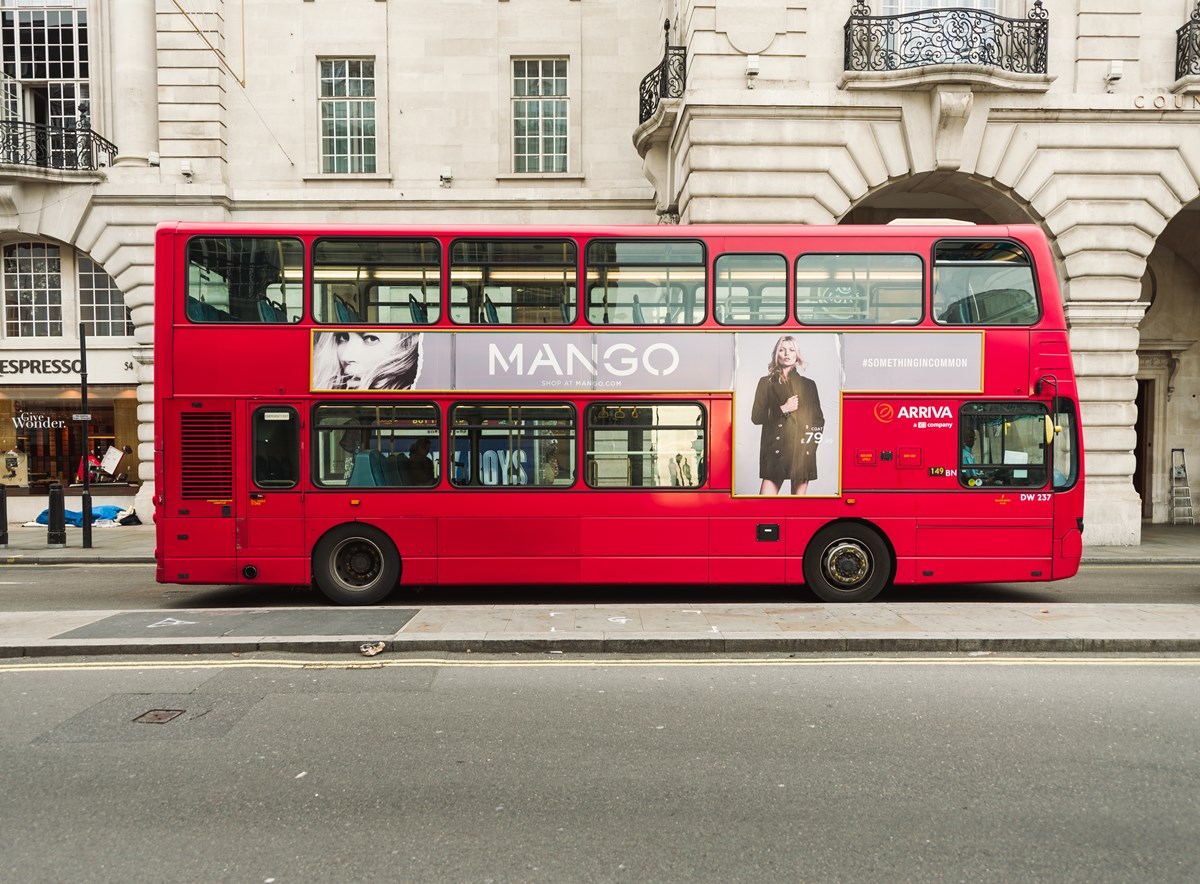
<point>214,112</point>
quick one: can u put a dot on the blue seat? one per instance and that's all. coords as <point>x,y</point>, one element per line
<point>638,317</point>
<point>418,312</point>
<point>395,469</point>
<point>491,316</point>
<point>201,311</point>
<point>270,311</point>
<point>368,470</point>
<point>343,311</point>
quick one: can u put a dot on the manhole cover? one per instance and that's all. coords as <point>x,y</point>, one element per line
<point>158,716</point>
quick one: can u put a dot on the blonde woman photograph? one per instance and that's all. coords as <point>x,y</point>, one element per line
<point>366,360</point>
<point>788,408</point>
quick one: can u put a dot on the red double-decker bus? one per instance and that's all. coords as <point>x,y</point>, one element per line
<point>363,408</point>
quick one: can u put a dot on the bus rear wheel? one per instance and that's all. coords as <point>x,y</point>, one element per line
<point>847,562</point>
<point>356,565</point>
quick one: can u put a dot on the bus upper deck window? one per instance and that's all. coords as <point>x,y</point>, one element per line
<point>646,282</point>
<point>513,282</point>
<point>244,279</point>
<point>750,289</point>
<point>983,283</point>
<point>377,281</point>
<point>859,289</point>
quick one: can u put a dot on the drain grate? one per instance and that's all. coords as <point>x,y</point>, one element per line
<point>158,716</point>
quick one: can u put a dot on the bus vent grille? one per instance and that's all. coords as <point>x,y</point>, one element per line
<point>206,456</point>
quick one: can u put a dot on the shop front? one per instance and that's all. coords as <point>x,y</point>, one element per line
<point>43,424</point>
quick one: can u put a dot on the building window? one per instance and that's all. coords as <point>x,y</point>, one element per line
<point>539,115</point>
<point>45,67</point>
<point>102,307</point>
<point>32,274</point>
<point>347,101</point>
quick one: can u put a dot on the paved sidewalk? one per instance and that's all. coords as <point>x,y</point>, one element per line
<point>878,627</point>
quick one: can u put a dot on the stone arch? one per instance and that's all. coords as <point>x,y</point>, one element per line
<point>1168,373</point>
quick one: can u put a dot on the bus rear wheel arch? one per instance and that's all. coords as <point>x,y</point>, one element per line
<point>355,564</point>
<point>847,562</point>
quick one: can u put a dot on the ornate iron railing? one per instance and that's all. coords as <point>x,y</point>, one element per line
<point>53,147</point>
<point>946,36</point>
<point>1187,47</point>
<point>666,80</point>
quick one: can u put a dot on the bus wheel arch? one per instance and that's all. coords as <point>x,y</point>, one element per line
<point>356,564</point>
<point>849,561</point>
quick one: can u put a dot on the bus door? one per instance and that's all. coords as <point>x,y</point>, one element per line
<point>270,502</point>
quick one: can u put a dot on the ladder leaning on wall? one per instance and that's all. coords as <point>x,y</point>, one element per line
<point>1181,491</point>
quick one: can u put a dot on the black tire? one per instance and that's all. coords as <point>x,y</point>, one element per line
<point>847,562</point>
<point>356,565</point>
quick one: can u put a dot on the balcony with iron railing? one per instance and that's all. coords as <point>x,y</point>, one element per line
<point>666,80</point>
<point>942,37</point>
<point>54,147</point>
<point>1187,47</point>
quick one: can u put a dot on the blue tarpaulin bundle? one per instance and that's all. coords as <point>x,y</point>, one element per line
<point>99,513</point>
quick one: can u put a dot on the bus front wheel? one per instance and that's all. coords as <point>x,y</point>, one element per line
<point>356,565</point>
<point>847,562</point>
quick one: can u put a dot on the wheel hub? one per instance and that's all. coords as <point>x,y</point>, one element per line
<point>358,564</point>
<point>847,563</point>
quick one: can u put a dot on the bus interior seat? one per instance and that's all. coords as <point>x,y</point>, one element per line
<point>638,317</point>
<point>566,312</point>
<point>418,311</point>
<point>344,312</point>
<point>201,311</point>
<point>368,469</point>
<point>271,311</point>
<point>491,315</point>
<point>395,469</point>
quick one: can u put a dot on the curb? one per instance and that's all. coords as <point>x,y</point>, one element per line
<point>623,646</point>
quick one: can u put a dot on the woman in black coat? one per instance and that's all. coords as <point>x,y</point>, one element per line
<point>788,409</point>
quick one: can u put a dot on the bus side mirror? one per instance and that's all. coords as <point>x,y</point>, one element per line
<point>1051,429</point>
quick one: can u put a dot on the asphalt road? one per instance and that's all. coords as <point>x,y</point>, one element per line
<point>488,769</point>
<point>132,587</point>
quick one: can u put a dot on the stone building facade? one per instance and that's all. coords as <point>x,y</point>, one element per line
<point>1077,115</point>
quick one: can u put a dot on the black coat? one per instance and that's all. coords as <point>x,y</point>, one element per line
<point>787,449</point>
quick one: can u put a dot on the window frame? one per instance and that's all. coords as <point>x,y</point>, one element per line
<point>700,294</point>
<point>198,311</point>
<point>403,435</point>
<point>921,290</point>
<point>571,302</point>
<point>715,283</point>
<point>257,418</point>
<point>515,98</point>
<point>572,427</point>
<point>364,159</point>
<point>315,302</point>
<point>933,281</point>
<point>701,427</point>
<point>978,474</point>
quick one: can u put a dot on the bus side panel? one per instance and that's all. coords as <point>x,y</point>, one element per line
<point>983,552</point>
<point>746,550</point>
<point>644,550</point>
<point>505,549</point>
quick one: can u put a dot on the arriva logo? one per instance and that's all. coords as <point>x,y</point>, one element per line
<point>925,412</point>
<point>884,413</point>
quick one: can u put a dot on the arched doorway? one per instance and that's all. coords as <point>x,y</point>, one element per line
<point>1168,375</point>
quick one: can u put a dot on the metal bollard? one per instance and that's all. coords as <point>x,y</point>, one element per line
<point>3,516</point>
<point>56,533</point>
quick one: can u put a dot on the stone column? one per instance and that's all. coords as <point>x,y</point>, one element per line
<point>1104,340</point>
<point>134,44</point>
